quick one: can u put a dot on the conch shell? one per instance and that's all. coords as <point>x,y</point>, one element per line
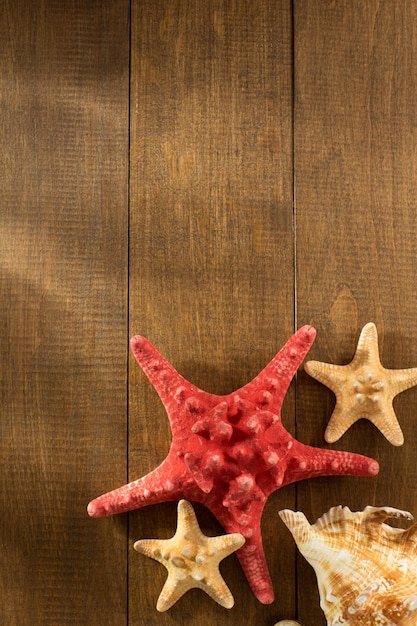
<point>366,570</point>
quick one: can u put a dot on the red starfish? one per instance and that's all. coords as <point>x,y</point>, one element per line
<point>230,452</point>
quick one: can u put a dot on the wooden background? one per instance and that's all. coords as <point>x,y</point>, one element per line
<point>211,174</point>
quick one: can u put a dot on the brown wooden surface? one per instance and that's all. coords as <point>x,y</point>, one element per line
<point>211,174</point>
<point>63,276</point>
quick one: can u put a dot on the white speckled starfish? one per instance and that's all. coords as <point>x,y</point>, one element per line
<point>364,389</point>
<point>192,559</point>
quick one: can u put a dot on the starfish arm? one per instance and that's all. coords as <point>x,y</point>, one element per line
<point>402,379</point>
<point>322,462</point>
<point>188,523</point>
<point>326,373</point>
<point>252,559</point>
<point>224,545</point>
<point>172,591</point>
<point>386,421</point>
<point>340,421</point>
<point>173,389</point>
<point>367,348</point>
<point>160,485</point>
<point>251,555</point>
<point>217,589</point>
<point>153,548</point>
<point>275,378</point>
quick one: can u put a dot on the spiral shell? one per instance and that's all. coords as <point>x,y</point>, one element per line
<point>366,570</point>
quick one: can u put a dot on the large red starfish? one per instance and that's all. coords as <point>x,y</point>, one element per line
<point>230,452</point>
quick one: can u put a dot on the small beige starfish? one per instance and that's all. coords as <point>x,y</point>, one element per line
<point>364,389</point>
<point>192,559</point>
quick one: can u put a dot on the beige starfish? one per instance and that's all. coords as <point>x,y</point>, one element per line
<point>192,559</point>
<point>364,389</point>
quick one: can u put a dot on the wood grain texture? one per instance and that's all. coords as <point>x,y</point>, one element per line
<point>201,262</point>
<point>63,276</point>
<point>356,149</point>
<point>211,264</point>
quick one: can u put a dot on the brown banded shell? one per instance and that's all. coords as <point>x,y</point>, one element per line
<point>366,570</point>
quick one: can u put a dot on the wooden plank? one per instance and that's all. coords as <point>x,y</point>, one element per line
<point>211,265</point>
<point>355,154</point>
<point>63,276</point>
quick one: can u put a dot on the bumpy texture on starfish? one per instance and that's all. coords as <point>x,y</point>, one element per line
<point>230,452</point>
<point>363,389</point>
<point>192,559</point>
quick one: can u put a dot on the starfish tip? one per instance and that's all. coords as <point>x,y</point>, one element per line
<point>136,545</point>
<point>137,342</point>
<point>227,602</point>
<point>373,468</point>
<point>163,604</point>
<point>397,440</point>
<point>309,331</point>
<point>306,334</point>
<point>330,436</point>
<point>309,367</point>
<point>265,596</point>
<point>94,510</point>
